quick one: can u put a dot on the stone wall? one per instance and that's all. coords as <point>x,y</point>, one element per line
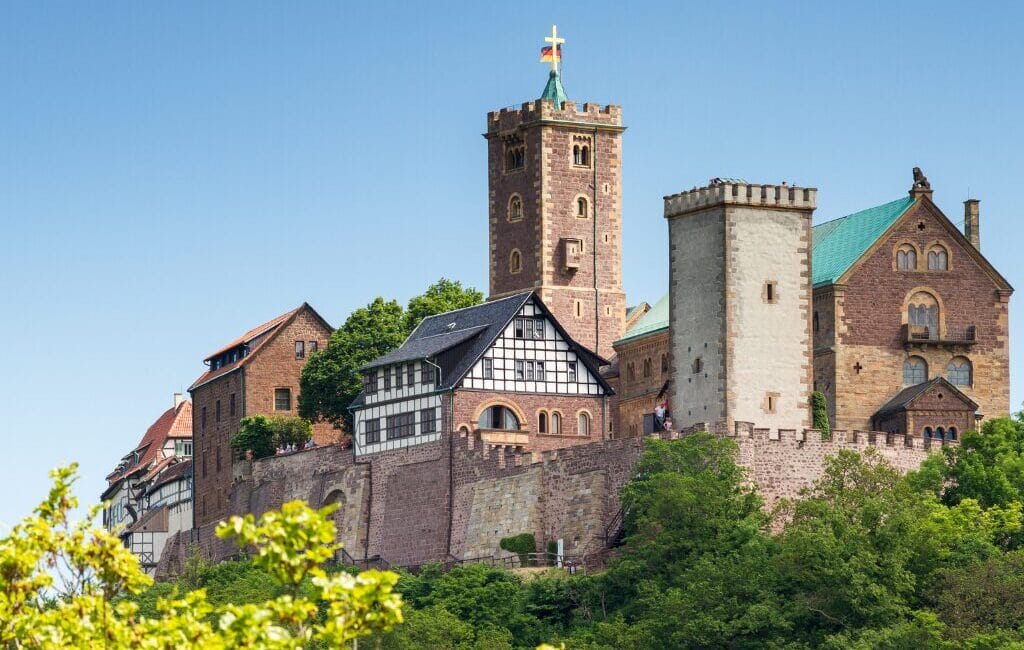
<point>457,497</point>
<point>638,388</point>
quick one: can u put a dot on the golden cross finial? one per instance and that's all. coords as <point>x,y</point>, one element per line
<point>555,50</point>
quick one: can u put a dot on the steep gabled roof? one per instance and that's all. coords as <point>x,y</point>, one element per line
<point>655,320</point>
<point>906,397</point>
<point>838,244</point>
<point>261,335</point>
<point>175,422</point>
<point>457,339</point>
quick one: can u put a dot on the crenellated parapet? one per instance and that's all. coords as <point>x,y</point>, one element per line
<point>737,193</point>
<point>541,111</point>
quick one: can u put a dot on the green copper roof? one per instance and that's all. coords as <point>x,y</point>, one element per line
<point>837,244</point>
<point>554,91</point>
<point>653,321</point>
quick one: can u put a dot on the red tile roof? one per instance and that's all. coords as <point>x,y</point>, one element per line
<point>266,331</point>
<point>175,422</point>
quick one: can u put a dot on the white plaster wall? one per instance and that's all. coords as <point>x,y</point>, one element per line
<point>697,321</point>
<point>770,340</point>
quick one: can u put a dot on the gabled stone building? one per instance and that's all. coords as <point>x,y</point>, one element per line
<point>902,296</point>
<point>257,373</point>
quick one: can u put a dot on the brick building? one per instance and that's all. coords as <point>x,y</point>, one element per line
<point>643,370</point>
<point>505,370</point>
<point>150,490</point>
<point>554,204</point>
<point>257,373</point>
<point>901,296</point>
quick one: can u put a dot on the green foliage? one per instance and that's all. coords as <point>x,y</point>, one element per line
<point>330,380</point>
<point>819,413</point>
<point>522,544</point>
<point>263,434</point>
<point>988,466</point>
<point>443,296</point>
<point>100,600</point>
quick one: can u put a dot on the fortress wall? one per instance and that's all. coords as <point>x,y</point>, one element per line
<point>456,498</point>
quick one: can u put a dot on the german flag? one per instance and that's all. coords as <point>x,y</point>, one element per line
<point>545,53</point>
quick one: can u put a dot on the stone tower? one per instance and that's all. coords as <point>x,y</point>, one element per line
<point>740,296</point>
<point>555,210</point>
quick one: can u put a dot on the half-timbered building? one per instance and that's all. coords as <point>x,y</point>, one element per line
<point>506,370</point>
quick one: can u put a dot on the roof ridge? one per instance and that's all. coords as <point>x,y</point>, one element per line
<point>854,214</point>
<point>482,304</point>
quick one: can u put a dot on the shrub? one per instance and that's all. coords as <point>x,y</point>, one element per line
<point>523,544</point>
<point>819,413</point>
<point>263,435</point>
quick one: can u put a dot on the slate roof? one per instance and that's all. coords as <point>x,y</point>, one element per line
<point>176,471</point>
<point>653,321</point>
<point>906,397</point>
<point>455,340</point>
<point>836,245</point>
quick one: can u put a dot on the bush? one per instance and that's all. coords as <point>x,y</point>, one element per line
<point>523,544</point>
<point>819,413</point>
<point>264,435</point>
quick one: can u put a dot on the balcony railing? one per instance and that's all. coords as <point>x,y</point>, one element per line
<point>515,437</point>
<point>924,335</point>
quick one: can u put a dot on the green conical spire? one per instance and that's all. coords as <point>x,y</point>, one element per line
<point>554,91</point>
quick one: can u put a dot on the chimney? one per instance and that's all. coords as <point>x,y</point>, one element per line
<point>178,399</point>
<point>971,217</point>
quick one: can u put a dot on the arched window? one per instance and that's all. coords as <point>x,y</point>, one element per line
<point>664,363</point>
<point>556,422</point>
<point>515,261</point>
<point>542,422</point>
<point>499,417</point>
<point>515,208</point>
<point>585,156</point>
<point>584,424</point>
<point>951,433</point>
<point>938,258</point>
<point>923,316</point>
<point>576,155</point>
<point>581,207</point>
<point>940,433</point>
<point>906,258</point>
<point>630,372</point>
<point>928,433</point>
<point>958,371</point>
<point>915,371</point>
<point>647,367</point>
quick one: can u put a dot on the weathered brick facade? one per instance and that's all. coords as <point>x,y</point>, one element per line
<point>564,203</point>
<point>644,368</point>
<point>861,342</point>
<point>248,387</point>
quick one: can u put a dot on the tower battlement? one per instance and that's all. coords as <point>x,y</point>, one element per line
<point>538,110</point>
<point>733,193</point>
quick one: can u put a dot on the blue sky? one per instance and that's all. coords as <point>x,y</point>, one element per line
<point>173,174</point>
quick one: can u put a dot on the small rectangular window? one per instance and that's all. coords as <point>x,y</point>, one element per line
<point>520,370</point>
<point>399,372</point>
<point>488,368</point>
<point>313,346</point>
<point>370,382</point>
<point>372,430</point>
<point>540,371</point>
<point>282,399</point>
<point>538,329</point>
<point>203,419</point>
<point>520,328</point>
<point>426,374</point>
<point>572,371</point>
<point>529,371</point>
<point>387,379</point>
<point>217,411</point>
<point>771,293</point>
<point>300,349</point>
<point>231,404</point>
<point>410,375</point>
<point>428,423</point>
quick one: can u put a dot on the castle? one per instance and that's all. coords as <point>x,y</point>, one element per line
<point>526,413</point>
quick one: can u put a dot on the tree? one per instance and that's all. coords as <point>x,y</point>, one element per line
<point>63,585</point>
<point>819,412</point>
<point>443,296</point>
<point>330,380</point>
<point>987,466</point>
